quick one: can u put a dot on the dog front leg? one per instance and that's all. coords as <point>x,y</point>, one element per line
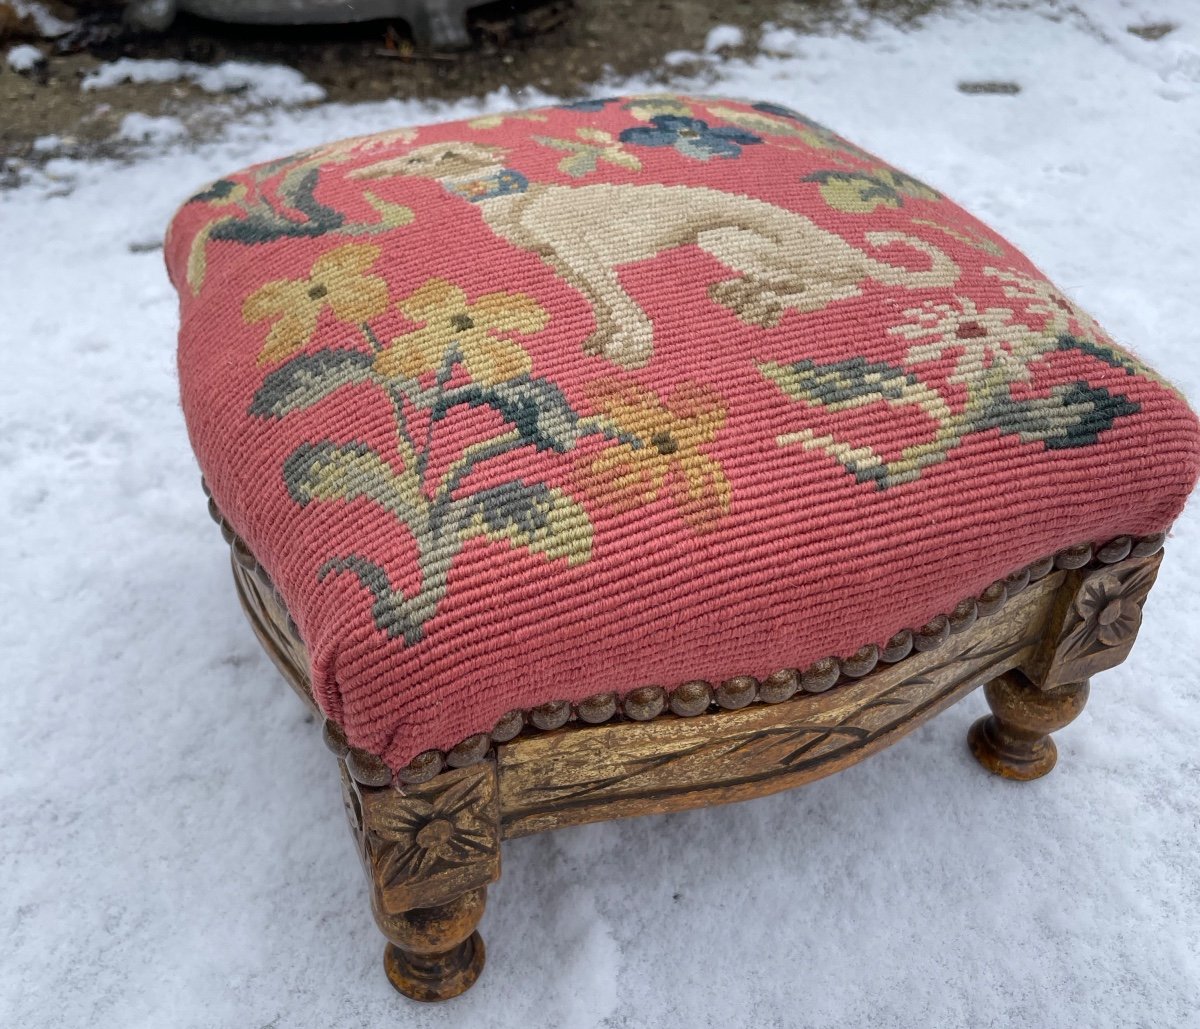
<point>623,332</point>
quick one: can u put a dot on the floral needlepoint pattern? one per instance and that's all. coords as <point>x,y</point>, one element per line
<point>593,147</point>
<point>993,350</point>
<point>439,512</point>
<point>661,452</point>
<point>537,405</point>
<point>277,200</point>
<point>338,281</point>
<point>773,120</point>
<point>862,192</point>
<point>647,105</point>
<point>978,340</point>
<point>690,136</point>
<point>473,333</point>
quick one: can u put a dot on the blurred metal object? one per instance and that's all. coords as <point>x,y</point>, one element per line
<point>434,23</point>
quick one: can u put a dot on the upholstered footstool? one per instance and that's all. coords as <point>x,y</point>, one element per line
<point>645,453</point>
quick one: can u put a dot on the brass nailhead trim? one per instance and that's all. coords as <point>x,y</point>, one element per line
<point>696,697</point>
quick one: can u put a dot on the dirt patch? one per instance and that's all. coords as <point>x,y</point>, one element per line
<point>561,47</point>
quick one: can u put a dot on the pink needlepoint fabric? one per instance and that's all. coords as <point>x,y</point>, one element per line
<point>634,391</point>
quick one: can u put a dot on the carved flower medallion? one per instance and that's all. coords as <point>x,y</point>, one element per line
<point>1107,611</point>
<point>418,836</point>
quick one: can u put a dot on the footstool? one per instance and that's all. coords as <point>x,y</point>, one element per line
<point>644,453</point>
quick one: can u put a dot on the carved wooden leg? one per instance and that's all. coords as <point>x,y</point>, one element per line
<point>1091,627</point>
<point>429,851</point>
<point>1014,741</point>
<point>435,953</point>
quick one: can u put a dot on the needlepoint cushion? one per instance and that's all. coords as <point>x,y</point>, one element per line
<point>634,391</point>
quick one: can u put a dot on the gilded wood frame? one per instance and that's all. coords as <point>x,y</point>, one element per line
<point>430,836</point>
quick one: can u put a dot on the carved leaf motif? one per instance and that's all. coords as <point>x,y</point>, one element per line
<point>793,746</point>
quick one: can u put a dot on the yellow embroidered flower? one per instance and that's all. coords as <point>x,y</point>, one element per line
<point>337,281</point>
<point>476,331</point>
<point>665,453</point>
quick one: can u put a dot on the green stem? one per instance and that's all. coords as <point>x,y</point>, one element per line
<point>404,440</point>
<point>444,373</point>
<point>457,472</point>
<point>472,456</point>
<point>372,338</point>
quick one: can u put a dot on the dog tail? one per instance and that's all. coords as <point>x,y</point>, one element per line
<point>941,271</point>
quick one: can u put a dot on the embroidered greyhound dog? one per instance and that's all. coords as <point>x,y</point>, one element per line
<point>783,260</point>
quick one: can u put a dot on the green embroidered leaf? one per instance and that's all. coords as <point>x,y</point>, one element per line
<point>216,192</point>
<point>1111,356</point>
<point>307,379</point>
<point>861,193</point>
<point>332,471</point>
<point>841,385</point>
<point>582,158</point>
<point>766,124</point>
<point>536,408</point>
<point>580,163</point>
<point>391,216</point>
<point>265,223</point>
<point>391,610</point>
<point>197,263</point>
<point>536,517</point>
<point>1071,416</point>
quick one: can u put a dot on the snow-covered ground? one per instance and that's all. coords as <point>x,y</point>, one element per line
<point>172,846</point>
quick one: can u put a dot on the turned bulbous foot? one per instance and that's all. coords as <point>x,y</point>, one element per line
<point>1014,741</point>
<point>435,953</point>
<point>432,977</point>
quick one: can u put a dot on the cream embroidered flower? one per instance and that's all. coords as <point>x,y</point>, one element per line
<point>1042,298</point>
<point>989,340</point>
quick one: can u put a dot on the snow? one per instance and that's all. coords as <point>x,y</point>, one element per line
<point>265,82</point>
<point>145,128</point>
<point>23,57</point>
<point>776,40</point>
<point>171,836</point>
<point>676,57</point>
<point>49,25</point>
<point>723,36</point>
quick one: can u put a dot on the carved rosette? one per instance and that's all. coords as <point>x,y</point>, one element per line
<point>1101,622</point>
<point>430,843</point>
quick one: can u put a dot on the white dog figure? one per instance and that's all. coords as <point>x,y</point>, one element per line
<point>783,260</point>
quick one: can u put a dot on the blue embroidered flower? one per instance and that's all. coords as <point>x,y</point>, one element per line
<point>591,104</point>
<point>691,137</point>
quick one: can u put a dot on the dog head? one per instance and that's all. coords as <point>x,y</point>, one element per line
<point>436,161</point>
